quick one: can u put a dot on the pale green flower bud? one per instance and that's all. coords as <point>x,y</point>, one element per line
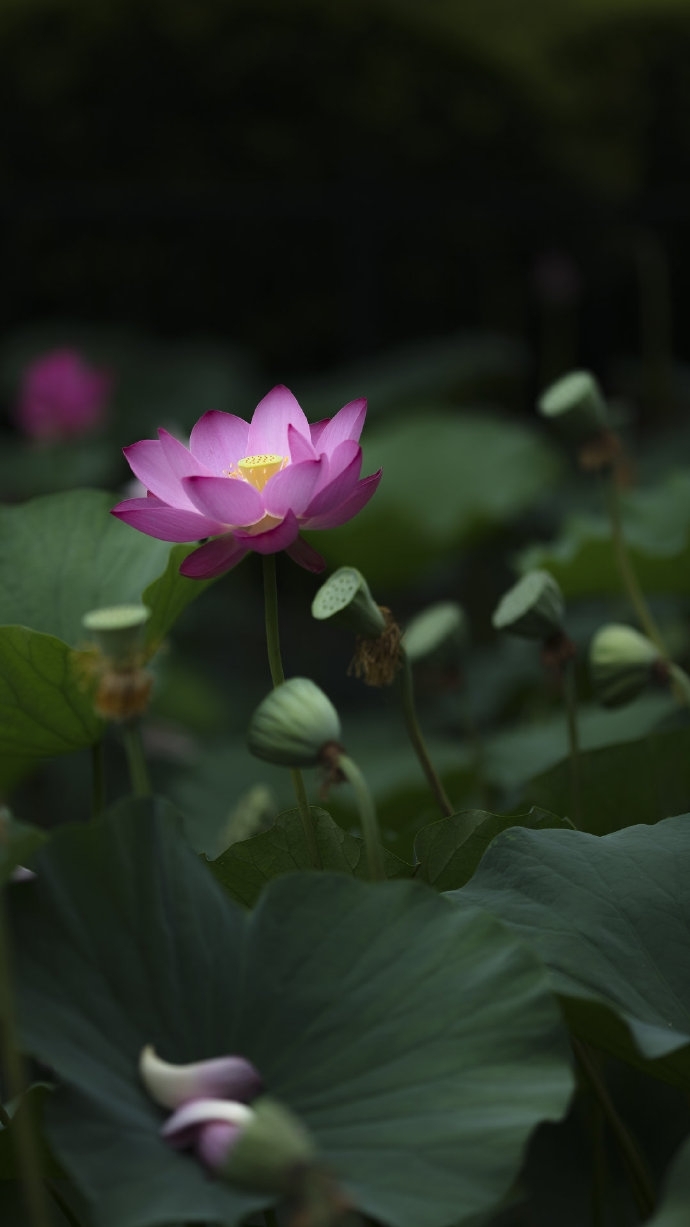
<point>576,405</point>
<point>118,631</point>
<point>291,726</point>
<point>272,1146</point>
<point>533,608</point>
<point>622,663</point>
<point>345,599</point>
<point>437,632</point>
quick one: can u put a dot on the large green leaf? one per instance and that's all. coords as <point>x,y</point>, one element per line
<point>46,706</point>
<point>610,917</point>
<point>245,868</point>
<point>450,850</point>
<point>656,523</point>
<point>448,478</point>
<point>418,1042</point>
<point>169,595</point>
<point>64,554</point>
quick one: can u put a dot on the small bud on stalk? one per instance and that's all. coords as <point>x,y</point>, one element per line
<point>293,724</point>
<point>623,663</point>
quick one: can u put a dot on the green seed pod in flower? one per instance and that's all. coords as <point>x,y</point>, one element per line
<point>621,663</point>
<point>291,726</point>
<point>438,632</point>
<point>533,608</point>
<point>271,1148</point>
<point>345,599</point>
<point>576,405</point>
<point>118,631</point>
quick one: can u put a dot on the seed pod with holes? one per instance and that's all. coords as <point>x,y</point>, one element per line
<point>576,405</point>
<point>622,663</point>
<point>346,600</point>
<point>533,608</point>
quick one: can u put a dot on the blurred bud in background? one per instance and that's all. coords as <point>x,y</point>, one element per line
<point>62,396</point>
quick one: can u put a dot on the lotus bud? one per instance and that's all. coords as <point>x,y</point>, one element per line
<point>533,608</point>
<point>346,600</point>
<point>270,1149</point>
<point>222,1077</point>
<point>622,663</point>
<point>576,405</point>
<point>437,633</point>
<point>118,632</point>
<point>293,724</point>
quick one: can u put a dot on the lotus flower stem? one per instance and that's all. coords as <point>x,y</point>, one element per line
<point>626,569</point>
<point>631,1157</point>
<point>416,737</point>
<point>138,771</point>
<point>367,814</point>
<point>27,1150</point>
<point>275,664</point>
<point>570,700</point>
<point>97,779</point>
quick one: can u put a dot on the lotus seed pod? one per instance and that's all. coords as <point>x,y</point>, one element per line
<point>272,1146</point>
<point>622,663</point>
<point>533,608</point>
<point>576,405</point>
<point>291,726</point>
<point>437,632</point>
<point>345,599</point>
<point>118,631</point>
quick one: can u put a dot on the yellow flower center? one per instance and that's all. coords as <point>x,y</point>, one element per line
<point>257,469</point>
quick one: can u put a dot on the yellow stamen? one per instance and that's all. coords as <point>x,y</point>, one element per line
<point>257,469</point>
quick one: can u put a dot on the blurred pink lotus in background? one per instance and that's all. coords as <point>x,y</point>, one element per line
<point>62,396</point>
<point>251,485</point>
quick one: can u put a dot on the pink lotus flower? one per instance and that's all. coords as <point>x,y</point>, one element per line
<point>251,485</point>
<point>61,396</point>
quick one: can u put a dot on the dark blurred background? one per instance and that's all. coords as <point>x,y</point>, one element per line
<point>317,183</point>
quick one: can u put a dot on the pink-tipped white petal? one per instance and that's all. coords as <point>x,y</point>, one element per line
<point>268,430</point>
<point>345,511</point>
<point>347,424</point>
<point>214,1143</point>
<point>274,539</point>
<point>151,516</point>
<point>219,440</point>
<point>306,556</point>
<point>149,463</point>
<point>292,488</point>
<point>179,1129</point>
<point>214,558</point>
<point>300,448</point>
<point>223,1077</point>
<point>227,499</point>
<point>340,483</point>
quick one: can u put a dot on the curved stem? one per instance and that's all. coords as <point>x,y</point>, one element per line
<point>367,814</point>
<point>570,700</point>
<point>633,1161</point>
<point>626,569</point>
<point>275,664</point>
<point>22,1124</point>
<point>416,737</point>
<point>138,771</point>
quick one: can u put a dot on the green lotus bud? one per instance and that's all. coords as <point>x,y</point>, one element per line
<point>437,632</point>
<point>270,1149</point>
<point>533,608</point>
<point>345,598</point>
<point>118,631</point>
<point>622,663</point>
<point>576,405</point>
<point>292,725</point>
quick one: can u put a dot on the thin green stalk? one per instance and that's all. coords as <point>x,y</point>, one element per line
<point>22,1125</point>
<point>626,569</point>
<point>631,1157</point>
<point>570,700</point>
<point>136,762</point>
<point>275,664</point>
<point>97,778</point>
<point>367,814</point>
<point>414,732</point>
